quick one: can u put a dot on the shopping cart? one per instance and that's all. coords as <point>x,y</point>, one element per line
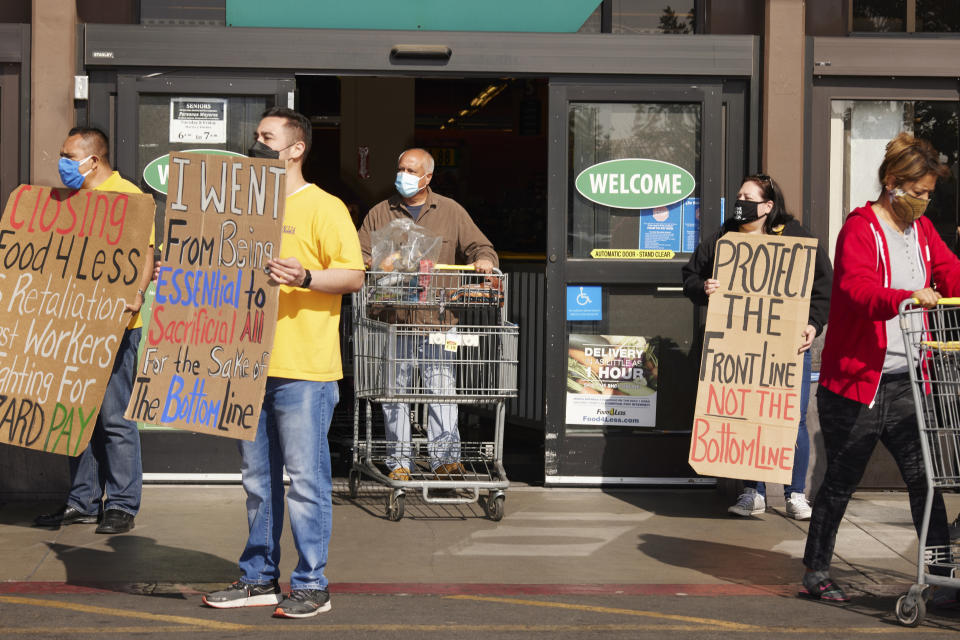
<point>932,340</point>
<point>437,339</point>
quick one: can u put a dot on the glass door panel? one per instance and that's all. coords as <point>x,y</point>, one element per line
<point>630,195</point>
<point>668,132</point>
<point>859,133</point>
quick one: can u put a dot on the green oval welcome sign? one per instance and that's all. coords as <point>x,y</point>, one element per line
<point>635,183</point>
<point>157,171</point>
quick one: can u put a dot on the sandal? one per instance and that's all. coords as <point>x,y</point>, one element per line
<point>825,590</point>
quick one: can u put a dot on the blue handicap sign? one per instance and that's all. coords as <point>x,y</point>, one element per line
<point>584,303</point>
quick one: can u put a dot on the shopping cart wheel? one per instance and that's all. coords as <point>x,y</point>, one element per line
<point>395,500</point>
<point>353,482</point>
<point>911,610</point>
<point>493,505</point>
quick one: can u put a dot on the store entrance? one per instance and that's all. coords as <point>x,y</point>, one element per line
<point>488,138</point>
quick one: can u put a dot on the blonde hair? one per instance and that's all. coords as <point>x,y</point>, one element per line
<point>908,159</point>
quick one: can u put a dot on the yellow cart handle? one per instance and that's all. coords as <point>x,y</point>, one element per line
<point>942,301</point>
<point>454,267</point>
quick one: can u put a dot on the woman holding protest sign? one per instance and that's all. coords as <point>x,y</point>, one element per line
<point>887,252</point>
<point>760,209</point>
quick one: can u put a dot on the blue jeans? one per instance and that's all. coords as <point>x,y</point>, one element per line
<point>111,462</point>
<point>292,433</point>
<point>801,453</point>
<point>438,377</point>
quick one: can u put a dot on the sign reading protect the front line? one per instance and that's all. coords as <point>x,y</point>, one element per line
<point>635,183</point>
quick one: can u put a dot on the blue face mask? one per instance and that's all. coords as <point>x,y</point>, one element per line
<point>70,172</point>
<point>407,184</point>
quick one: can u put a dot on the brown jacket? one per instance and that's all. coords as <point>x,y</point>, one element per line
<point>463,243</point>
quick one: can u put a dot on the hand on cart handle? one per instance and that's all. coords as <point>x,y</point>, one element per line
<point>926,298</point>
<point>482,266</point>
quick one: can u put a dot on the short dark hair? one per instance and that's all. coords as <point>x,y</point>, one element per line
<point>296,121</point>
<point>95,139</point>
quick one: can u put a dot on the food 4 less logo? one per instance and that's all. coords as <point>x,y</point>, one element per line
<point>635,183</point>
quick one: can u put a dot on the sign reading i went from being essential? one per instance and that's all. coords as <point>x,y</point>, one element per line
<point>71,260</point>
<point>748,398</point>
<point>210,334</point>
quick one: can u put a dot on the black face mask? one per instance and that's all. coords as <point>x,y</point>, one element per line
<point>260,150</point>
<point>745,211</point>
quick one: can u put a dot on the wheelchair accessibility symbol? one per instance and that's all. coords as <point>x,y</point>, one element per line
<point>584,304</point>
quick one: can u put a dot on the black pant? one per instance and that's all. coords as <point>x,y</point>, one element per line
<point>850,433</point>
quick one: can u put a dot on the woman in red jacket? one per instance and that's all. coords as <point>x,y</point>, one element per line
<point>887,251</point>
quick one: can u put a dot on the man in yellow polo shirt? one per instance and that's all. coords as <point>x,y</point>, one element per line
<point>111,463</point>
<point>319,262</point>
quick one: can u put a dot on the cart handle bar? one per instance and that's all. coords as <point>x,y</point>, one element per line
<point>462,267</point>
<point>454,267</point>
<point>942,301</point>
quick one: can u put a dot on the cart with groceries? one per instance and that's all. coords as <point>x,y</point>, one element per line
<point>932,340</point>
<point>432,336</point>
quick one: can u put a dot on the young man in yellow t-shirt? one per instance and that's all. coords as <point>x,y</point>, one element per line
<point>319,262</point>
<point>111,463</point>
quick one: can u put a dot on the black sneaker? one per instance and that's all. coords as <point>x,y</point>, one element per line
<point>303,603</point>
<point>244,594</point>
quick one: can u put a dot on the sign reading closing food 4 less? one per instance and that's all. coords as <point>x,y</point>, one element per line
<point>635,183</point>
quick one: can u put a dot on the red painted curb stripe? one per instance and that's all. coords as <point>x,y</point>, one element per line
<point>438,589</point>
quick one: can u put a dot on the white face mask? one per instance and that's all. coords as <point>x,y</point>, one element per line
<point>407,184</point>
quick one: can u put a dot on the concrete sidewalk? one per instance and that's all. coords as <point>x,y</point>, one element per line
<point>189,538</point>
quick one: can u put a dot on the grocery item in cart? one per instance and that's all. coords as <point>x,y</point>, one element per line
<point>401,245</point>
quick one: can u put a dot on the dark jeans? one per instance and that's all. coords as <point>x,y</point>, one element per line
<point>111,462</point>
<point>850,433</point>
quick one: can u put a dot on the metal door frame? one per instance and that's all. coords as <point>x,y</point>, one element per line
<point>131,86</point>
<point>15,106</point>
<point>562,270</point>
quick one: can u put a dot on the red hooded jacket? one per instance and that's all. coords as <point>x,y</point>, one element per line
<point>862,300</point>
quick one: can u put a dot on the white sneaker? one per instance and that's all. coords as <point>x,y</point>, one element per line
<point>750,503</point>
<point>798,508</point>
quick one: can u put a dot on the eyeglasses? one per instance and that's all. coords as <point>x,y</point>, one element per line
<point>759,177</point>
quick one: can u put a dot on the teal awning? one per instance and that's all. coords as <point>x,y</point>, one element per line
<point>547,16</point>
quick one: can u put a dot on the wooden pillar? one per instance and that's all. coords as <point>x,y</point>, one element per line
<point>783,95</point>
<point>53,65</point>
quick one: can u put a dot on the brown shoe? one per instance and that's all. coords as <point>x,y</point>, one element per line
<point>454,469</point>
<point>400,474</point>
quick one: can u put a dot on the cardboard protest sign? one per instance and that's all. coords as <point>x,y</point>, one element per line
<point>210,334</point>
<point>70,261</point>
<point>748,399</point>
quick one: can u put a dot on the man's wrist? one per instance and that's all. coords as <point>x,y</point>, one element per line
<point>307,279</point>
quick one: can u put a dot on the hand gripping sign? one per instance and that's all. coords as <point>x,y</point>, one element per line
<point>70,261</point>
<point>210,333</point>
<point>748,398</point>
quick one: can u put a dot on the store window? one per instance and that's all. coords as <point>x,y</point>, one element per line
<point>859,133</point>
<point>636,17</point>
<point>905,16</point>
<point>667,132</point>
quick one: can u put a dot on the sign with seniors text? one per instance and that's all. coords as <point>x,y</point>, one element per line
<point>748,399</point>
<point>70,261</point>
<point>207,347</point>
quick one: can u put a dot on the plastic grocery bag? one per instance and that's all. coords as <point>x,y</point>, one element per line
<point>402,246</point>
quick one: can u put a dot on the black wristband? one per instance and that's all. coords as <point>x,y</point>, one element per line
<point>306,280</point>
